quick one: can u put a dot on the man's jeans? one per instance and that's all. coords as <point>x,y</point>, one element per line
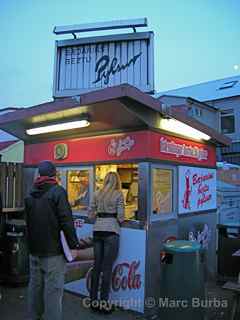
<point>46,287</point>
<point>105,253</point>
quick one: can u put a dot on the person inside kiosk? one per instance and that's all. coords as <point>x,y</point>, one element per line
<point>78,183</point>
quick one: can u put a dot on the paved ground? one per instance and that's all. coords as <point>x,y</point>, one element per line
<point>13,307</point>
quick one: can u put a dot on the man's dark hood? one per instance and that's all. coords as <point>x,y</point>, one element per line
<point>41,185</point>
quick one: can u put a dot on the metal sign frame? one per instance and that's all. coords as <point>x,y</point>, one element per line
<point>107,25</point>
<point>148,36</point>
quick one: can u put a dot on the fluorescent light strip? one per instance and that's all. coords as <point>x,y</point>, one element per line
<point>181,128</point>
<point>58,127</point>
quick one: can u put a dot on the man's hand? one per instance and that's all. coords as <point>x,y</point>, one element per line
<point>121,222</point>
<point>72,203</point>
<point>74,253</point>
<point>92,215</point>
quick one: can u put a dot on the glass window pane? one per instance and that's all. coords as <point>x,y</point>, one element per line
<point>162,191</point>
<point>227,124</point>
<point>78,189</point>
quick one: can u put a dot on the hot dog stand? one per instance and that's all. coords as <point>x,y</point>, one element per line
<point>168,179</point>
<point>103,119</point>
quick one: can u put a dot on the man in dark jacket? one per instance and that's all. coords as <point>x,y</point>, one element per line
<point>47,213</point>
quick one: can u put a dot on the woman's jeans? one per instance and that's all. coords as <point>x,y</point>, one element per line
<point>46,287</point>
<point>105,253</point>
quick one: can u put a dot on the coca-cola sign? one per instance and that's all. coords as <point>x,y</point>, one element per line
<point>128,272</point>
<point>125,276</point>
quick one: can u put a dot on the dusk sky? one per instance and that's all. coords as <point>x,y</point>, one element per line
<point>195,41</point>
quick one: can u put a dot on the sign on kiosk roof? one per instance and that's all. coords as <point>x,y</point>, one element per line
<point>88,64</point>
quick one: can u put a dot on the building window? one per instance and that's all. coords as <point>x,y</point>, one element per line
<point>198,112</point>
<point>227,121</point>
<point>227,85</point>
<point>231,158</point>
<point>190,112</point>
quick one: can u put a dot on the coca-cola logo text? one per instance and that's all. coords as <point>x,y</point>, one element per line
<point>125,276</point>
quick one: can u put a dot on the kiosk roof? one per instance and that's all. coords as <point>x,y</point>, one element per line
<point>113,109</point>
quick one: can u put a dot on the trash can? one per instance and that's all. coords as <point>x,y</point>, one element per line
<point>2,248</point>
<point>16,253</point>
<point>228,242</point>
<point>182,289</point>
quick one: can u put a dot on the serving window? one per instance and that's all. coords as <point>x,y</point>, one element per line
<point>80,183</point>
<point>128,174</point>
<point>162,200</point>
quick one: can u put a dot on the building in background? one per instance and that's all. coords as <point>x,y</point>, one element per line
<point>192,108</point>
<point>223,96</point>
<point>11,151</point>
<point>11,148</point>
<point>4,136</point>
<point>228,192</point>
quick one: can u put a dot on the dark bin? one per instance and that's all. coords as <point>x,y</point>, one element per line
<point>228,242</point>
<point>2,247</point>
<point>182,290</point>
<point>16,262</point>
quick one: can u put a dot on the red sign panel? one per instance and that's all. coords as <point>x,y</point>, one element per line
<point>124,146</point>
<point>170,148</point>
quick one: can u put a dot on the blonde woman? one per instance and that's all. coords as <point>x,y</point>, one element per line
<point>108,208</point>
